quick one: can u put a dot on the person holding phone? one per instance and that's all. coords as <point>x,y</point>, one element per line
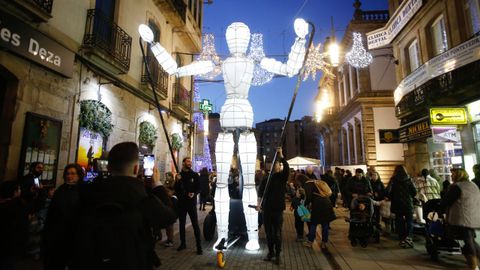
<point>187,186</point>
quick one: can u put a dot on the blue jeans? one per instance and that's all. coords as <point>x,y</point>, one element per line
<point>313,230</point>
<point>404,224</point>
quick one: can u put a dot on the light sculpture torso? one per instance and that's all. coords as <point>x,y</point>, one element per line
<point>237,115</point>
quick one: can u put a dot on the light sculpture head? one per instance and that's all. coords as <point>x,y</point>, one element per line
<point>145,33</point>
<point>238,37</point>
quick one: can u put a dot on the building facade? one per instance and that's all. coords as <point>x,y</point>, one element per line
<point>437,95</point>
<point>361,104</point>
<point>73,82</point>
<point>301,139</point>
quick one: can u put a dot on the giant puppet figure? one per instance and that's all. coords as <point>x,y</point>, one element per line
<point>236,115</point>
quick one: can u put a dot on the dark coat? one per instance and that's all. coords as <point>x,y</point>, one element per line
<point>204,185</point>
<point>401,193</point>
<point>320,207</point>
<point>13,228</point>
<point>131,194</point>
<point>378,189</point>
<point>274,196</point>
<point>359,186</point>
<point>60,226</point>
<point>189,183</point>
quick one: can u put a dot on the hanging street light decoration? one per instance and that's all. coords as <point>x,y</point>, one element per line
<point>210,54</point>
<point>358,57</point>
<point>315,61</point>
<point>256,53</point>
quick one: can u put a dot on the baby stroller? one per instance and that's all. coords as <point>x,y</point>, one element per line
<point>362,226</point>
<point>436,238</point>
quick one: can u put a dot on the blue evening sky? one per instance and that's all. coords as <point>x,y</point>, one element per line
<point>274,19</point>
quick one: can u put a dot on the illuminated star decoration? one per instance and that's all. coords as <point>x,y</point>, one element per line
<point>358,57</point>
<point>260,75</point>
<point>209,53</point>
<point>315,62</point>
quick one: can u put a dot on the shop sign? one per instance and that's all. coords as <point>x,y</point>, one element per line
<point>25,41</point>
<point>474,111</point>
<point>415,131</point>
<point>389,136</point>
<point>445,135</point>
<point>448,116</point>
<point>464,54</point>
<point>397,22</point>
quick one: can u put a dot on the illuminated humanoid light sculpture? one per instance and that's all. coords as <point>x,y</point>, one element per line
<point>237,115</point>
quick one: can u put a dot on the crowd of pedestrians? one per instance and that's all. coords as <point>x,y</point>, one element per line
<point>115,222</point>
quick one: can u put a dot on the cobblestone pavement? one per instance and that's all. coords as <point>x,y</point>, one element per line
<point>294,254</point>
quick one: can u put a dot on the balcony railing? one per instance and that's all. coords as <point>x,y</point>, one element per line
<point>174,10</point>
<point>182,97</point>
<point>159,77</point>
<point>45,5</point>
<point>181,8</point>
<point>103,34</point>
<point>375,15</point>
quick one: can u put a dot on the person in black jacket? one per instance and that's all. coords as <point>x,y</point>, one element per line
<point>401,192</point>
<point>273,206</point>
<point>14,225</point>
<point>187,186</point>
<point>117,216</point>
<point>204,188</point>
<point>61,220</point>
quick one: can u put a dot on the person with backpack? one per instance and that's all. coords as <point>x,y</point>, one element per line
<point>187,186</point>
<point>117,217</point>
<point>317,199</point>
<point>298,200</point>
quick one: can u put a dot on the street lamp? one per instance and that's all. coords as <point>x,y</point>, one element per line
<point>264,165</point>
<point>334,53</point>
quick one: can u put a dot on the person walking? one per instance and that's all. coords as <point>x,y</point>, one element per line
<point>273,206</point>
<point>117,217</point>
<point>401,193</point>
<point>187,186</point>
<point>359,185</point>
<point>204,188</point>
<point>461,203</point>
<point>298,200</point>
<point>318,194</point>
<point>378,189</point>
<point>61,221</point>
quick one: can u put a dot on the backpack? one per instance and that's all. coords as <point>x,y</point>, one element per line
<point>112,235</point>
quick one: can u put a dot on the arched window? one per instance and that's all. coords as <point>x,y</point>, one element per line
<point>359,141</point>
<point>345,147</point>
<point>351,144</point>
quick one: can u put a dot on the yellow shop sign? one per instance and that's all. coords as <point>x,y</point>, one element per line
<point>448,116</point>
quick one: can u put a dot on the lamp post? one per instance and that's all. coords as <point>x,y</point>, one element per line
<point>264,164</point>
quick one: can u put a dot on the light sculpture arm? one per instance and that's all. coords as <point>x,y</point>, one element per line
<point>166,60</point>
<point>295,57</point>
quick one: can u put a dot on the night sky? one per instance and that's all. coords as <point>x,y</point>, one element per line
<point>274,19</point>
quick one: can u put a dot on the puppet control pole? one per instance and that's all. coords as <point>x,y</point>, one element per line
<point>157,104</point>
<point>292,103</point>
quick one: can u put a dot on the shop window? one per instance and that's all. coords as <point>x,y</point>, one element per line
<point>439,36</point>
<point>472,12</point>
<point>414,55</point>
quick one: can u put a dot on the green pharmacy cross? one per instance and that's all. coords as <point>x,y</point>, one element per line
<point>205,106</point>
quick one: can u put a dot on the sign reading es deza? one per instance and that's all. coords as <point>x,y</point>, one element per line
<point>25,41</point>
<point>448,116</point>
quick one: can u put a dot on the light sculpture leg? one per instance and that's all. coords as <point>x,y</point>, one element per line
<point>247,148</point>
<point>223,152</point>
